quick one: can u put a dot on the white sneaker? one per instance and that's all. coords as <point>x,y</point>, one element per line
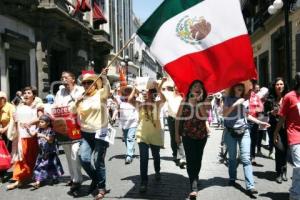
<point>182,164</point>
<point>182,161</point>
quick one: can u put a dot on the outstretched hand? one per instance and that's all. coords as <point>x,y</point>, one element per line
<point>265,124</point>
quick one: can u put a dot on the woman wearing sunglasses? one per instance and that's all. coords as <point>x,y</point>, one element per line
<point>93,118</point>
<point>237,132</point>
<point>149,130</point>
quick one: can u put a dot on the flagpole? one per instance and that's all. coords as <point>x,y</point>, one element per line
<point>111,62</point>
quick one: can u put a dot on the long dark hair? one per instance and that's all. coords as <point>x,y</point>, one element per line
<point>203,89</point>
<point>152,93</point>
<point>232,92</point>
<point>272,90</point>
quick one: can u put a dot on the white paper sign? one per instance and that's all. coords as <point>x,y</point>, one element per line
<point>144,83</point>
<point>106,134</point>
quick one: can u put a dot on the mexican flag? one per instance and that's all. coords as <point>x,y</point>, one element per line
<point>203,40</point>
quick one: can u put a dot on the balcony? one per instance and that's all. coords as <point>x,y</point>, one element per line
<point>27,3</point>
<point>17,7</point>
<point>101,41</point>
<point>62,9</point>
<point>257,21</point>
<point>256,14</point>
<point>55,18</point>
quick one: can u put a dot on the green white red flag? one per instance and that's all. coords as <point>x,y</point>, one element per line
<point>203,40</point>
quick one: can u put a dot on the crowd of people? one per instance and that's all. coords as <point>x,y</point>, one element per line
<point>33,134</point>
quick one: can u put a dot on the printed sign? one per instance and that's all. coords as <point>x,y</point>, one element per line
<point>65,122</point>
<point>106,134</point>
<point>144,83</point>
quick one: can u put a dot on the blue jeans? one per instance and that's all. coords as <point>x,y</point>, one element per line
<point>295,152</point>
<point>144,157</point>
<point>92,157</point>
<point>244,144</point>
<point>129,137</point>
<point>295,189</point>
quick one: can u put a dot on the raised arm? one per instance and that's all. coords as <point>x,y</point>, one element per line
<point>105,91</point>
<point>131,97</point>
<point>159,91</point>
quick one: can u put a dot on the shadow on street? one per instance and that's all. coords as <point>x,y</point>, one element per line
<point>276,196</point>
<point>268,175</point>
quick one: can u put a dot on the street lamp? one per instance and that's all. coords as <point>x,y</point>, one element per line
<point>125,63</point>
<point>277,5</point>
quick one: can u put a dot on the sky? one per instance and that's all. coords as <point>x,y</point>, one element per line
<point>144,8</point>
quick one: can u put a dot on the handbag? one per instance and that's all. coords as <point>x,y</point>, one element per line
<point>5,157</point>
<point>12,132</point>
<point>236,132</point>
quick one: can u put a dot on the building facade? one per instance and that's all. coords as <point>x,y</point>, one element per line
<point>268,40</point>
<point>120,29</point>
<point>123,25</point>
<point>42,38</point>
<point>142,56</point>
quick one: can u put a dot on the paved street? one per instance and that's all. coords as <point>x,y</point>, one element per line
<point>123,180</point>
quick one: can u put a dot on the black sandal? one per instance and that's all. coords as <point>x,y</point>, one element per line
<point>35,186</point>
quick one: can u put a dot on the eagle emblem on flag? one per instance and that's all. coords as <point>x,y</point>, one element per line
<point>193,30</point>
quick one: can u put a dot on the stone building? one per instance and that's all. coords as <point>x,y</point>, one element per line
<point>124,25</point>
<point>142,56</point>
<point>120,12</point>
<point>268,40</point>
<point>41,38</point>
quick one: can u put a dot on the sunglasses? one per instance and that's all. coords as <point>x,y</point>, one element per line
<point>87,82</point>
<point>170,88</point>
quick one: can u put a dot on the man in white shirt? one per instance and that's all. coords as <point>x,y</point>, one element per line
<point>67,94</point>
<point>173,99</point>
